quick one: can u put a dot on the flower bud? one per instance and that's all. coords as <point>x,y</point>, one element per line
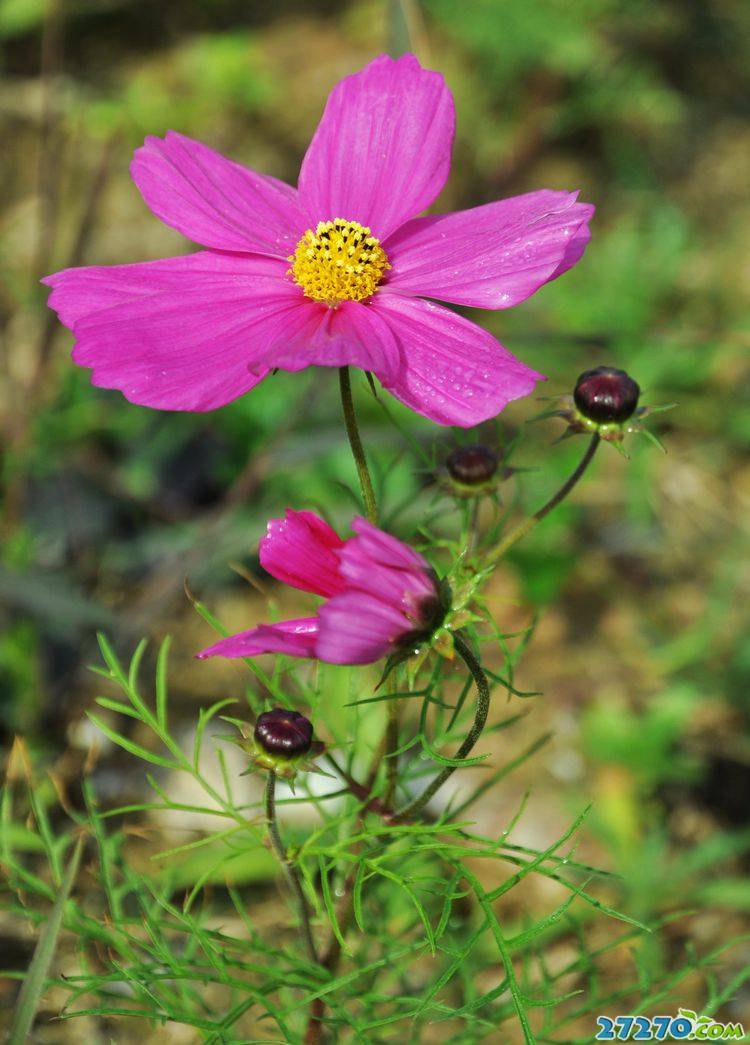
<point>472,465</point>
<point>283,734</point>
<point>605,403</point>
<point>606,395</point>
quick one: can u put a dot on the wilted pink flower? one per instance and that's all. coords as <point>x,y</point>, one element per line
<point>334,272</point>
<point>382,596</point>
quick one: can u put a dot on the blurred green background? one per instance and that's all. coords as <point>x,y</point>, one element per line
<point>642,579</point>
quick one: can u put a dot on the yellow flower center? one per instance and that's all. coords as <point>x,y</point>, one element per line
<point>339,261</point>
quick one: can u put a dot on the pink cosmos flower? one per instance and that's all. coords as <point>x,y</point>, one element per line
<point>334,272</point>
<point>382,596</point>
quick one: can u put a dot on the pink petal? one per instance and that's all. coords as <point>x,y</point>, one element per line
<point>574,250</point>
<point>377,563</point>
<point>384,548</point>
<point>454,372</point>
<point>216,201</point>
<point>349,335</point>
<point>300,550</point>
<point>492,256</point>
<point>186,333</point>
<point>402,589</point>
<point>381,153</point>
<point>297,638</point>
<point>357,628</point>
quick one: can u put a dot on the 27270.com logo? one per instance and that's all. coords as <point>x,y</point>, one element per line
<point>686,1026</point>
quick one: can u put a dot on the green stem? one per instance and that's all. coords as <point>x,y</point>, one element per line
<point>355,441</point>
<point>288,868</point>
<point>391,746</point>
<point>528,524</point>
<point>472,537</point>
<point>480,719</point>
<point>362,792</point>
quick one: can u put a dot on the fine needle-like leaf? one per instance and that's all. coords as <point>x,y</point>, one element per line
<point>161,682</point>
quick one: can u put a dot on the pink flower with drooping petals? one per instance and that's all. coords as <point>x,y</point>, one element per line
<point>382,596</point>
<point>335,272</point>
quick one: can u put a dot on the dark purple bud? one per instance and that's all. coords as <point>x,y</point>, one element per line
<point>283,733</point>
<point>606,394</point>
<point>472,465</point>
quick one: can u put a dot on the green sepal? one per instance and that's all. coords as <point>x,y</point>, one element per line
<point>261,761</point>
<point>442,642</point>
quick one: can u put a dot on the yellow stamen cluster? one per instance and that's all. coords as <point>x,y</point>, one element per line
<point>339,261</point>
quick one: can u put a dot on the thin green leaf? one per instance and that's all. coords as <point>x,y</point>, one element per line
<point>204,717</point>
<point>519,1002</point>
<point>161,682</point>
<point>133,748</point>
<point>457,763</point>
<point>119,707</point>
<point>110,659</point>
<point>135,663</point>
<point>424,917</point>
<point>325,888</point>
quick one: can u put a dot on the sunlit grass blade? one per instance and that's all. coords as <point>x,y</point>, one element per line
<point>36,976</point>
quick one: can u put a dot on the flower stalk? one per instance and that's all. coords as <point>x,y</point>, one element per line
<point>529,524</point>
<point>290,872</point>
<point>355,441</point>
<point>391,747</point>
<point>480,719</point>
